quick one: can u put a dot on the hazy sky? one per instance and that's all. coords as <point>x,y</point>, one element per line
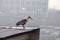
<point>55,4</point>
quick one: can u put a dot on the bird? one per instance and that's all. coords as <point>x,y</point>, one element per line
<point>23,22</point>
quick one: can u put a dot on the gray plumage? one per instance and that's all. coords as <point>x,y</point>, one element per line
<point>23,22</point>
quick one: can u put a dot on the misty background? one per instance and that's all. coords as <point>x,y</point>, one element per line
<point>48,19</point>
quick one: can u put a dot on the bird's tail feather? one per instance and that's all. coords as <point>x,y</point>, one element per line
<point>17,25</point>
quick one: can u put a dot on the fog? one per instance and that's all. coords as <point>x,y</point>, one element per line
<point>43,16</point>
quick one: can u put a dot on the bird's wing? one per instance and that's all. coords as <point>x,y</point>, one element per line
<point>22,22</point>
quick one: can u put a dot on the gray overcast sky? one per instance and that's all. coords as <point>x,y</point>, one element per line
<point>11,10</point>
<point>16,7</point>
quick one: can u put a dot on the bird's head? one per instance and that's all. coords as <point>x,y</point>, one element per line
<point>28,17</point>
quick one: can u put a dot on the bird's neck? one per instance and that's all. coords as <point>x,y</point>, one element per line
<point>27,19</point>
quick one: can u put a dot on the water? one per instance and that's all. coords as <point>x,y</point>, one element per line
<point>50,33</point>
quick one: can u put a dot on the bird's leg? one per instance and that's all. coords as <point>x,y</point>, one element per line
<point>23,26</point>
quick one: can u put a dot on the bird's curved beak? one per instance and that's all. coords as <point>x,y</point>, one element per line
<point>31,18</point>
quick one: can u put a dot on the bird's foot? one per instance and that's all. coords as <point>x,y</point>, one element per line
<point>23,27</point>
